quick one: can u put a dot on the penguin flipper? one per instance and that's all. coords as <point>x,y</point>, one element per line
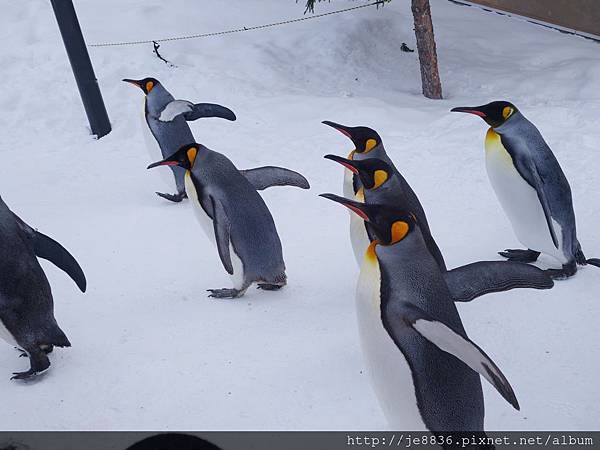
<point>47,248</point>
<point>191,111</point>
<point>530,174</point>
<point>484,277</point>
<point>450,341</point>
<point>269,176</point>
<point>221,227</point>
<point>200,110</point>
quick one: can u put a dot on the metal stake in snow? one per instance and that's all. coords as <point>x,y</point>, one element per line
<point>82,67</point>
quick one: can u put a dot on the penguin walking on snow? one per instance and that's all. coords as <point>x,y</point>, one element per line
<point>165,123</point>
<point>382,186</point>
<point>531,188</point>
<point>234,216</point>
<point>26,306</point>
<point>368,144</point>
<point>423,367</point>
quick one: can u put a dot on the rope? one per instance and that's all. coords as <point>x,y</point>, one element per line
<point>237,30</point>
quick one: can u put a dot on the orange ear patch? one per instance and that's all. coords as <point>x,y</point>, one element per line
<point>507,112</point>
<point>149,86</point>
<point>399,231</point>
<point>370,145</point>
<point>379,177</point>
<point>191,154</point>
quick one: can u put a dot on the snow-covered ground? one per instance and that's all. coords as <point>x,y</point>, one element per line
<point>150,350</point>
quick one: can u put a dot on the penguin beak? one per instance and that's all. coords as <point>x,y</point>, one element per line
<point>134,82</point>
<point>469,110</point>
<point>360,209</point>
<point>347,163</point>
<point>163,163</point>
<point>346,131</point>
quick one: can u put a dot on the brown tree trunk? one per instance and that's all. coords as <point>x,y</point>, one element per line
<point>430,75</point>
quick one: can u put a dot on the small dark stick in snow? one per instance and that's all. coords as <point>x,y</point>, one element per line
<point>159,56</point>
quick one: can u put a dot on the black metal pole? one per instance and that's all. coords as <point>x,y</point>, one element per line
<point>82,66</point>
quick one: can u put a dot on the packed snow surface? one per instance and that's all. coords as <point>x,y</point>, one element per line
<point>150,350</point>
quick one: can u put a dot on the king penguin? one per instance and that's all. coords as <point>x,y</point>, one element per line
<point>531,188</point>
<point>234,216</point>
<point>368,144</point>
<point>164,122</point>
<point>423,366</point>
<point>26,306</point>
<point>381,186</point>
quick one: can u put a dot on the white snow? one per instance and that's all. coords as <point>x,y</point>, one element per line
<point>150,350</point>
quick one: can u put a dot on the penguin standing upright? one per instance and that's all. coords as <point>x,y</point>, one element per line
<point>368,144</point>
<point>165,123</point>
<point>423,367</point>
<point>26,306</point>
<point>531,188</point>
<point>381,186</point>
<point>234,216</point>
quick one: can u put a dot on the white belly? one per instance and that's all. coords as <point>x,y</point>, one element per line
<point>6,335</point>
<point>389,371</point>
<point>520,201</point>
<point>348,188</point>
<point>358,237</point>
<point>207,226</point>
<point>205,221</point>
<point>153,150</point>
<point>358,234</point>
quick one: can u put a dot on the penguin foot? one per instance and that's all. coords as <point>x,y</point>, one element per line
<point>568,270</point>
<point>226,293</point>
<point>39,364</point>
<point>269,287</point>
<point>173,197</point>
<point>24,375</point>
<point>524,256</point>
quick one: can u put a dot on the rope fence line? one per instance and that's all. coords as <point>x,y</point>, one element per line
<point>237,30</point>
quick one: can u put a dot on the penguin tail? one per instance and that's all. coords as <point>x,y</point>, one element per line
<point>58,337</point>
<point>582,260</point>
<point>594,262</point>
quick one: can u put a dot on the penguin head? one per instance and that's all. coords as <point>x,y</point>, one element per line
<point>364,139</point>
<point>184,157</point>
<point>495,113</point>
<point>388,225</point>
<point>373,172</point>
<point>146,84</point>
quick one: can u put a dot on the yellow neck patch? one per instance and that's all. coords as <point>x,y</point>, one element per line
<point>360,195</point>
<point>191,154</point>
<point>351,155</point>
<point>370,145</point>
<point>379,177</point>
<point>399,231</point>
<point>370,255</point>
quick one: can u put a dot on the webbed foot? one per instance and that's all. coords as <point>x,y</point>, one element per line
<point>173,197</point>
<point>568,270</point>
<point>226,293</point>
<point>518,255</point>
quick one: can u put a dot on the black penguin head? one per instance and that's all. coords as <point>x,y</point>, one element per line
<point>388,225</point>
<point>146,85</point>
<point>373,172</point>
<point>495,113</point>
<point>364,139</point>
<point>184,157</point>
